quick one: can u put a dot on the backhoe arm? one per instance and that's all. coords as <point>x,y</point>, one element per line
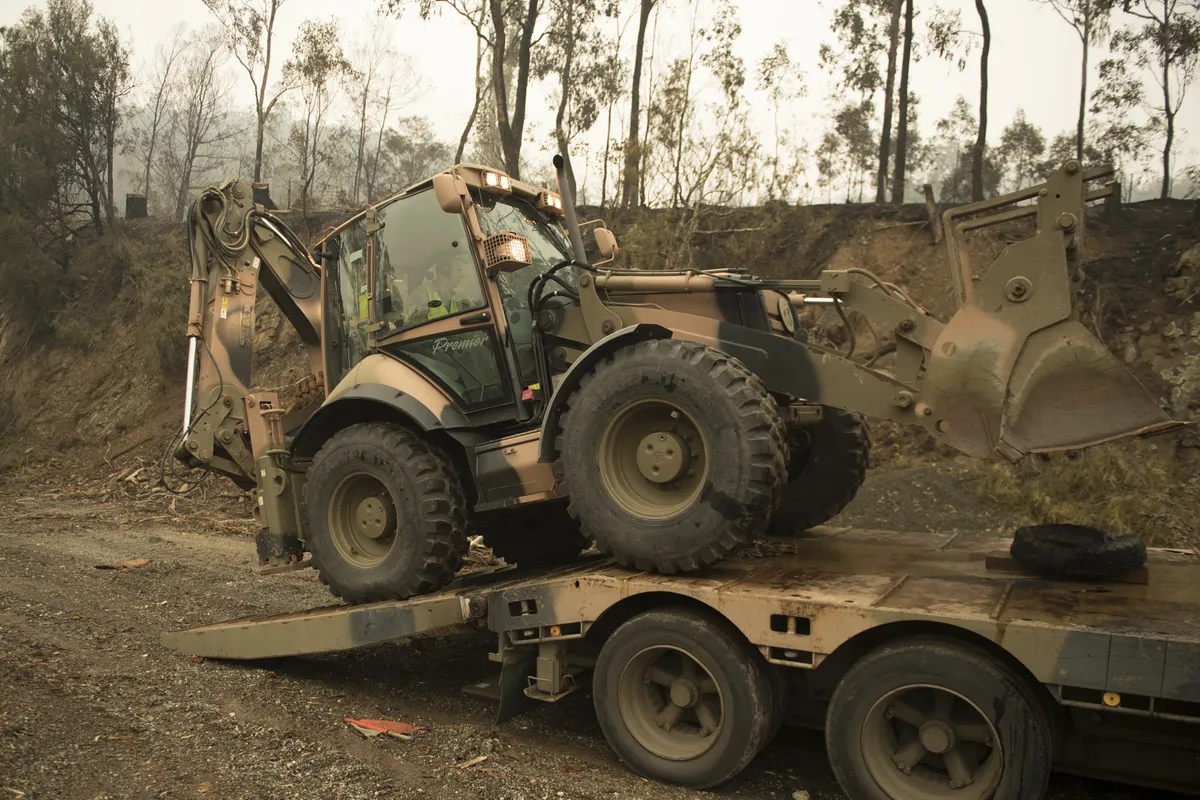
<point>234,247</point>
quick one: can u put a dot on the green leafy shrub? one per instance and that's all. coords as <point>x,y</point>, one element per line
<point>1124,487</point>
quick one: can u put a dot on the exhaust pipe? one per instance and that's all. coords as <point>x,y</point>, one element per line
<point>564,191</point>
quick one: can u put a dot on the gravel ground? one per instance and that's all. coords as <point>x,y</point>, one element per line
<point>92,706</point>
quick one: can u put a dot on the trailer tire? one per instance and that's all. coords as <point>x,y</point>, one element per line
<point>827,465</point>
<point>1076,551</point>
<point>717,680</point>
<point>719,439</point>
<point>912,718</point>
<point>386,515</point>
<point>535,537</point>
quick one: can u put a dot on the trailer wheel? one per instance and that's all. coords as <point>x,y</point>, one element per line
<point>672,455</point>
<point>535,537</point>
<point>827,465</point>
<point>681,700</point>
<point>934,718</point>
<point>386,514</point>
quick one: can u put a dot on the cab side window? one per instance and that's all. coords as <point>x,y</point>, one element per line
<point>423,263</point>
<point>346,329</point>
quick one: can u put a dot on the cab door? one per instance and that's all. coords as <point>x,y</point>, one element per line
<point>430,306</point>
<point>344,282</point>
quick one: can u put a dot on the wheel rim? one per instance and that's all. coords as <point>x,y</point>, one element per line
<point>923,741</point>
<point>362,520</point>
<point>670,703</point>
<point>653,459</point>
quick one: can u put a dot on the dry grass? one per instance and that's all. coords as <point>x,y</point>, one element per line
<point>1125,487</point>
<point>161,301</point>
<point>88,290</point>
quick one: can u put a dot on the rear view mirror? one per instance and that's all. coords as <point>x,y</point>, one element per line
<point>446,189</point>
<point>606,242</point>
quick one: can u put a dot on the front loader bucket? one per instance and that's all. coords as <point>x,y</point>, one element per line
<point>1067,391</point>
<point>1012,373</point>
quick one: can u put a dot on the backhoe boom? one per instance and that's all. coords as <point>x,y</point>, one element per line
<point>234,247</point>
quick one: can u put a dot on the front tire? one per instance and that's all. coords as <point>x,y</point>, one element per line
<point>931,718</point>
<point>682,699</point>
<point>672,455</point>
<point>386,514</point>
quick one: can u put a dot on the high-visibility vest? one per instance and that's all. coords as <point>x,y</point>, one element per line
<point>438,310</point>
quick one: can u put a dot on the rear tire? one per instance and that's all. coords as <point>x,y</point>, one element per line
<point>386,514</point>
<point>672,455</point>
<point>545,534</point>
<point>661,658</point>
<point>912,718</point>
<point>827,465</point>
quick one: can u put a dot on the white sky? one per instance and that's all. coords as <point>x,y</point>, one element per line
<point>1034,60</point>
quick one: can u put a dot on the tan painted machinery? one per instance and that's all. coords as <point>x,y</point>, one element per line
<point>472,371</point>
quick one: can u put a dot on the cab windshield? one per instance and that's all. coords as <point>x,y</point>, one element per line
<point>548,247</point>
<point>547,242</point>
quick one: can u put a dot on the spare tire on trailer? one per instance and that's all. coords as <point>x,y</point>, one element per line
<point>1076,551</point>
<point>672,455</point>
<point>827,465</point>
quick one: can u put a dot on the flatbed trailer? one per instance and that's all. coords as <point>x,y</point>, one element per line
<point>937,667</point>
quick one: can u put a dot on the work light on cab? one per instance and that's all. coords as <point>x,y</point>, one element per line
<point>505,252</point>
<point>550,202</point>
<point>497,182</point>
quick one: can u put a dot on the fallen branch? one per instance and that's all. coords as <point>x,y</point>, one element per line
<point>127,449</point>
<point>901,225</point>
<point>737,230</point>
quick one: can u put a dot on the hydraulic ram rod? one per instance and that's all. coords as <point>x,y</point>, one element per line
<point>191,384</point>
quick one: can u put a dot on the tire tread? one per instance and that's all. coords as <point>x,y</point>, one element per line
<point>440,499</point>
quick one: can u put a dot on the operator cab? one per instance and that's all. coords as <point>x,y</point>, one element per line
<point>408,277</point>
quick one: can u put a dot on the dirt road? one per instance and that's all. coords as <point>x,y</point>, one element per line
<point>92,706</point>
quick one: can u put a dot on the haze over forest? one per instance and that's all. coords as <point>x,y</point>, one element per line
<point>735,102</point>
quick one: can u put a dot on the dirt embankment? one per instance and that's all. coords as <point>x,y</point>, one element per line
<point>90,399</point>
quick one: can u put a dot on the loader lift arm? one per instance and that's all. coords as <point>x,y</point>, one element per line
<point>234,246</point>
<point>1013,371</point>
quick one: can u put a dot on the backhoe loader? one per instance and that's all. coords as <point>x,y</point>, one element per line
<point>473,372</point>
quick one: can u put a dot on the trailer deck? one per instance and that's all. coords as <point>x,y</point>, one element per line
<point>1120,636</point>
<point>1125,653</point>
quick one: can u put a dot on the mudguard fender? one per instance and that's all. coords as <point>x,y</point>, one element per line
<point>378,388</point>
<point>633,334</point>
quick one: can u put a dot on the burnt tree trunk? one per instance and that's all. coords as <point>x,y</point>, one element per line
<point>901,162</point>
<point>1170,115</point>
<point>981,138</point>
<point>629,181</point>
<point>560,131</point>
<point>885,136</point>
<point>1083,79</point>
<point>511,127</point>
